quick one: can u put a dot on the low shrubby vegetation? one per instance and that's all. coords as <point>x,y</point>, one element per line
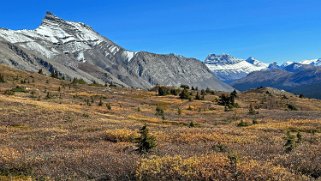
<point>121,135</point>
<point>53,129</point>
<point>210,167</point>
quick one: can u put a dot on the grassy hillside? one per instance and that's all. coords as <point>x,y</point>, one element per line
<point>52,129</point>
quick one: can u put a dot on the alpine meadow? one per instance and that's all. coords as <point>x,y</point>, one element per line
<point>77,106</point>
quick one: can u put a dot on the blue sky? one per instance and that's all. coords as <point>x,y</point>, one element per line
<point>270,30</point>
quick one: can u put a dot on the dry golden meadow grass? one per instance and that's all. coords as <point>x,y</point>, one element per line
<point>58,131</point>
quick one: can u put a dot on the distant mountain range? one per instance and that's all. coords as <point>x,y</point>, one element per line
<point>298,77</point>
<point>75,50</point>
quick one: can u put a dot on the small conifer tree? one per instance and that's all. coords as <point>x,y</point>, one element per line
<point>191,124</point>
<point>146,142</point>
<point>299,137</point>
<point>159,111</point>
<point>100,102</point>
<point>252,110</point>
<point>233,163</point>
<point>289,142</point>
<point>198,97</point>
<point>185,94</point>
<point>179,111</point>
<point>108,106</point>
<point>48,96</point>
<point>1,79</point>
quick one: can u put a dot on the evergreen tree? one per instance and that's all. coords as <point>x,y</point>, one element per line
<point>162,91</point>
<point>191,124</point>
<point>252,110</point>
<point>100,102</point>
<point>203,92</point>
<point>299,137</point>
<point>48,95</point>
<point>198,97</point>
<point>290,142</point>
<point>108,106</point>
<point>159,111</point>
<point>233,95</point>
<point>179,111</point>
<point>224,100</point>
<point>2,78</point>
<point>185,86</point>
<point>208,90</point>
<point>185,94</point>
<point>146,142</point>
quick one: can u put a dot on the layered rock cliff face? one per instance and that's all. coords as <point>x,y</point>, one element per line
<point>75,50</point>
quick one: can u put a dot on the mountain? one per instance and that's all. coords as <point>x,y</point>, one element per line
<point>228,68</point>
<point>313,62</point>
<point>304,80</point>
<point>75,50</point>
<point>298,77</point>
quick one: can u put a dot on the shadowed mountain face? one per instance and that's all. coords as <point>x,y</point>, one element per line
<point>74,50</point>
<point>304,80</point>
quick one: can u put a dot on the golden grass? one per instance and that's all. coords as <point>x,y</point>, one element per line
<point>16,178</point>
<point>121,135</point>
<point>209,167</point>
<point>42,104</point>
<point>296,125</point>
<point>66,139</point>
<point>197,135</point>
<point>143,118</point>
<point>8,154</point>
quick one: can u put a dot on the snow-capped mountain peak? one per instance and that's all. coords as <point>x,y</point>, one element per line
<point>256,62</point>
<point>229,68</point>
<point>55,28</point>
<point>292,66</point>
<point>314,62</point>
<point>287,63</point>
<point>55,36</point>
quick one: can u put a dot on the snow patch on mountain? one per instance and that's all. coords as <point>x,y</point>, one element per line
<point>130,55</point>
<point>81,57</point>
<point>313,62</point>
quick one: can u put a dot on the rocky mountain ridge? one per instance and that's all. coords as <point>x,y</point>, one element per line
<point>75,50</point>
